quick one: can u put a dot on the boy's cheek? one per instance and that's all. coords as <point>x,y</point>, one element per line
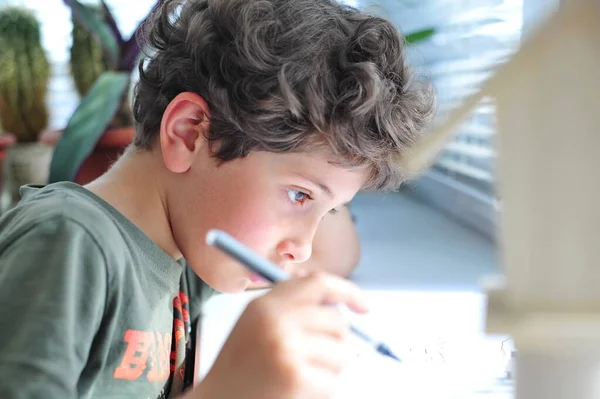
<point>258,220</point>
<point>259,235</point>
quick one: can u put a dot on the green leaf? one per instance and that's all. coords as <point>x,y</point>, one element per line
<point>419,36</point>
<point>86,126</point>
<point>94,22</point>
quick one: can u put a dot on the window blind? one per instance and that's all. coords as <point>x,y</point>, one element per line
<point>473,38</point>
<point>477,37</point>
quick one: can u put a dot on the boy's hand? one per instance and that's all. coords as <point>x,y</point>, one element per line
<point>286,344</point>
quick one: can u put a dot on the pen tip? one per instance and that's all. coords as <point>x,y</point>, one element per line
<point>384,350</point>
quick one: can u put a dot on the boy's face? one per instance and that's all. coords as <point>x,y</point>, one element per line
<point>271,202</point>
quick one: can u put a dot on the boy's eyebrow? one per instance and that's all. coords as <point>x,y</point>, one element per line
<point>323,187</point>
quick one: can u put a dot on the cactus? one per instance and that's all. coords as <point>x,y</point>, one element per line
<point>87,60</point>
<point>24,75</point>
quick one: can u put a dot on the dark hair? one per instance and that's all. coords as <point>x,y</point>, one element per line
<point>284,76</point>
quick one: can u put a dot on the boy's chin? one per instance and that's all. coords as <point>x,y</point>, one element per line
<point>231,285</point>
<point>250,285</point>
<point>235,286</point>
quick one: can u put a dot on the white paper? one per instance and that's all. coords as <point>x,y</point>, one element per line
<point>439,337</point>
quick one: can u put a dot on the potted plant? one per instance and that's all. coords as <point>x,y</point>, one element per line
<point>101,127</point>
<point>24,80</point>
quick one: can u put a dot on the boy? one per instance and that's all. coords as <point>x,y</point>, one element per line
<point>254,117</point>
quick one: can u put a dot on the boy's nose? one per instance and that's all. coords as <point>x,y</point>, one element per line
<point>295,251</point>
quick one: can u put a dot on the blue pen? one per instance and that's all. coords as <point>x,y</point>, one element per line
<point>270,272</point>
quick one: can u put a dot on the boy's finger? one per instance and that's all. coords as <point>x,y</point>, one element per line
<point>326,353</point>
<point>295,270</point>
<point>322,289</point>
<point>324,321</point>
<point>299,273</point>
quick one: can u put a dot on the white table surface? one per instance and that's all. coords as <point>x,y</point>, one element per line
<point>438,335</point>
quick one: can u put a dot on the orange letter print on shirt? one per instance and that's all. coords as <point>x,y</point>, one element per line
<point>143,348</point>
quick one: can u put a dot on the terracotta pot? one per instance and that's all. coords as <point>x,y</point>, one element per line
<point>108,149</point>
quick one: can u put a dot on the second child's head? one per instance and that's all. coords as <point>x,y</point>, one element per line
<point>268,114</point>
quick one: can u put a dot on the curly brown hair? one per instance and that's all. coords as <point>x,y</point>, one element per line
<point>284,76</point>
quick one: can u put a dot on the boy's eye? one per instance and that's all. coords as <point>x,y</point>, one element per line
<point>297,196</point>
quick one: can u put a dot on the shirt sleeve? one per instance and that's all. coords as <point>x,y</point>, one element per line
<point>53,287</point>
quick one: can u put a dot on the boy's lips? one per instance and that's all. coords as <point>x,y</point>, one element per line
<point>256,279</point>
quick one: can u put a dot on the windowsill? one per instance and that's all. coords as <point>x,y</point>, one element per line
<point>408,245</point>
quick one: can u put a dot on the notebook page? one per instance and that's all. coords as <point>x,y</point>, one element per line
<point>439,337</point>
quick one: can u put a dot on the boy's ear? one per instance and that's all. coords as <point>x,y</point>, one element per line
<point>183,130</point>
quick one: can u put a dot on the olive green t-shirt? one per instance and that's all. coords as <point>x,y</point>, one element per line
<point>90,306</point>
